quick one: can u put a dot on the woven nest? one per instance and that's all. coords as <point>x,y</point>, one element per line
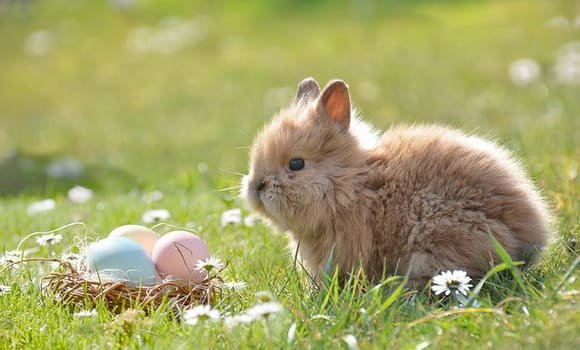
<point>74,287</point>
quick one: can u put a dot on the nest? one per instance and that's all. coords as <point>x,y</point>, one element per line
<point>74,287</point>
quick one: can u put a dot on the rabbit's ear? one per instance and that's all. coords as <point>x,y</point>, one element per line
<point>308,89</point>
<point>334,103</point>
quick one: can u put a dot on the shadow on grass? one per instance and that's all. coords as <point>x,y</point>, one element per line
<point>50,174</point>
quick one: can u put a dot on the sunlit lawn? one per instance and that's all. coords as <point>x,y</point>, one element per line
<point>167,95</point>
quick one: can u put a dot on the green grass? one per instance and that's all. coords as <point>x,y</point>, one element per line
<point>145,121</point>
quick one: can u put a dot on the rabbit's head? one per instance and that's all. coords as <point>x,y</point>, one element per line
<point>303,163</point>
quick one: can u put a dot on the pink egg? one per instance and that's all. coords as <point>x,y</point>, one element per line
<point>176,253</point>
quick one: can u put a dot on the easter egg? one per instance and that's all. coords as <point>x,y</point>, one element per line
<point>142,235</point>
<point>120,258</point>
<point>176,253</point>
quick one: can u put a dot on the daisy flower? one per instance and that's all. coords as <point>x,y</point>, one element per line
<point>524,71</point>
<point>209,264</point>
<point>39,43</point>
<point>79,194</point>
<point>232,321</point>
<point>236,285</point>
<point>567,66</point>
<point>264,310</point>
<point>449,282</point>
<point>86,313</point>
<point>40,207</point>
<point>49,239</point>
<point>231,217</point>
<point>72,258</point>
<point>10,257</point>
<point>155,215</point>
<point>4,289</point>
<point>201,313</point>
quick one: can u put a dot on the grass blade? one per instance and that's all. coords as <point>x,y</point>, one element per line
<point>475,292</point>
<point>512,266</point>
<point>567,275</point>
<point>392,298</point>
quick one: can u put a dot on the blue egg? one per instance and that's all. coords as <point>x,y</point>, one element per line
<point>120,258</point>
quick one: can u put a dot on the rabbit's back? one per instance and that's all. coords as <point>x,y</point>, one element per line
<point>442,192</point>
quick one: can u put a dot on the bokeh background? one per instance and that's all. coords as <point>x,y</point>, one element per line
<point>142,94</point>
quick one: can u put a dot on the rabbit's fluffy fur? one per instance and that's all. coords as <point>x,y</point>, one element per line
<point>417,200</point>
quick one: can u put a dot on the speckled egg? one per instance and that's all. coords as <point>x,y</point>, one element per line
<point>142,235</point>
<point>176,253</point>
<point>120,258</point>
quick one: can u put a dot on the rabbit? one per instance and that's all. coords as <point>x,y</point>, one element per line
<point>417,200</point>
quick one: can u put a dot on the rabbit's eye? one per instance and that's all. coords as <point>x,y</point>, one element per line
<point>296,164</point>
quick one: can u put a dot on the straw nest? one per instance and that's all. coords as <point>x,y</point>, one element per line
<point>70,286</point>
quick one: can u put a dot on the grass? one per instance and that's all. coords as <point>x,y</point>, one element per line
<point>140,122</point>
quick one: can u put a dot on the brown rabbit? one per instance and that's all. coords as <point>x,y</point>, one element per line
<point>418,200</point>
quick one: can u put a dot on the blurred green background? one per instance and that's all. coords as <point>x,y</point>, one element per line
<point>138,93</point>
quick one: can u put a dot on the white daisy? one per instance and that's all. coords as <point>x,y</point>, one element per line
<point>567,66</point>
<point>524,71</point>
<point>72,258</point>
<point>80,194</point>
<point>155,215</point>
<point>209,264</point>
<point>4,289</point>
<point>40,207</point>
<point>39,43</point>
<point>86,313</point>
<point>49,239</point>
<point>232,321</point>
<point>449,282</point>
<point>10,257</point>
<point>201,313</point>
<point>265,310</point>
<point>231,217</point>
<point>236,285</point>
